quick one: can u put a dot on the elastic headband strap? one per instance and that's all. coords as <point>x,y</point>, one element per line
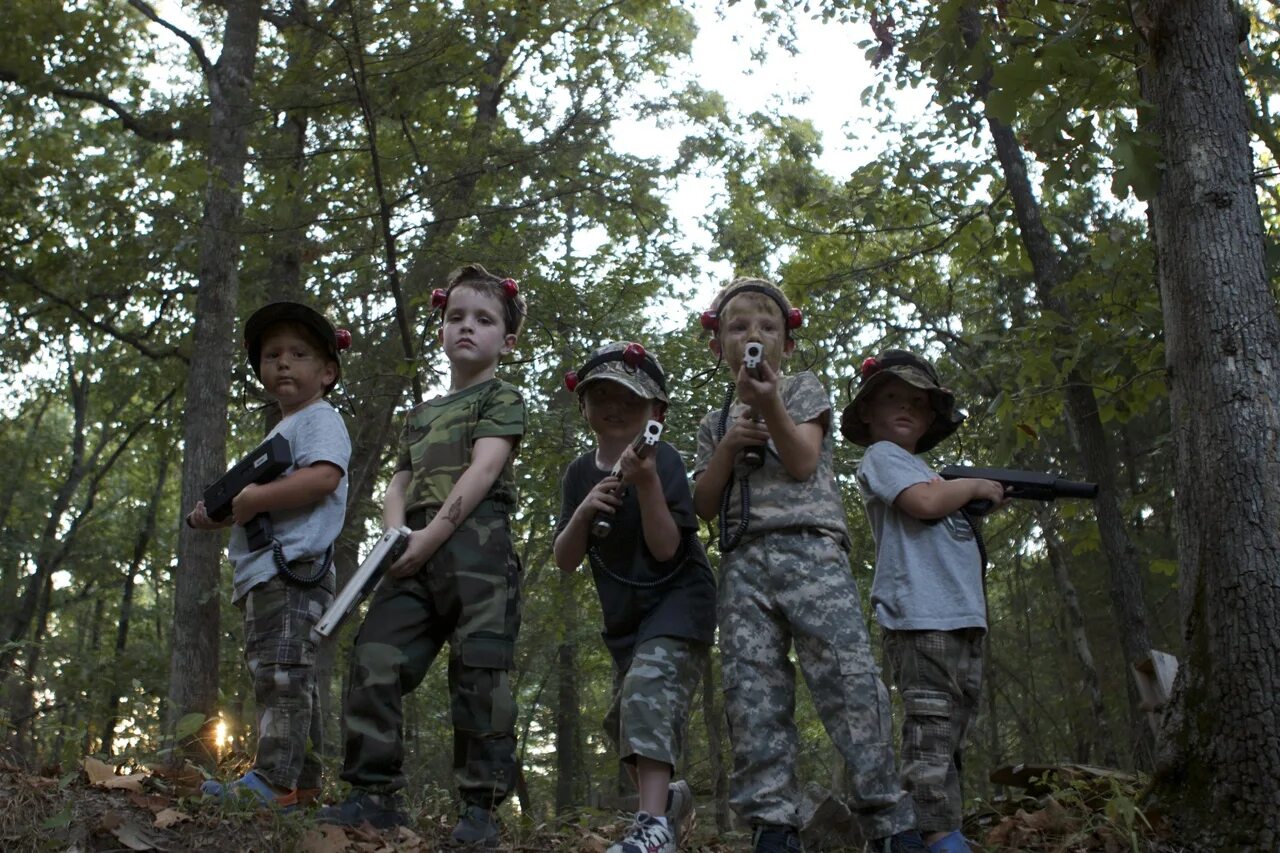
<point>755,288</point>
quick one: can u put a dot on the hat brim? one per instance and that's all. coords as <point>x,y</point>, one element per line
<point>290,312</point>
<point>943,402</point>
<point>631,382</point>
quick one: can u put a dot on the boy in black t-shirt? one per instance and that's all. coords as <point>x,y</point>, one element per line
<point>656,590</point>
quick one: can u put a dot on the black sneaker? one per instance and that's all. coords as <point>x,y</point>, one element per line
<point>381,811</point>
<point>902,842</point>
<point>776,838</point>
<point>476,828</point>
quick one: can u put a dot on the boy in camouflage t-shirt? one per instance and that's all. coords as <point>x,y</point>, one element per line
<point>458,580</point>
<point>785,577</point>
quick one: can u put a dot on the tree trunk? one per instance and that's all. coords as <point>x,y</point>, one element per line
<point>1219,769</point>
<point>568,707</point>
<point>1097,732</point>
<point>711,710</point>
<point>193,663</point>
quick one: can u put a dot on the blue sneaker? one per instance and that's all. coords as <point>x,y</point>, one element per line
<point>952,842</point>
<point>252,784</point>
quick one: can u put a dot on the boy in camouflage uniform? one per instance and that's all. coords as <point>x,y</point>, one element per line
<point>657,594</point>
<point>928,593</point>
<point>284,589</point>
<point>458,580</point>
<point>785,578</point>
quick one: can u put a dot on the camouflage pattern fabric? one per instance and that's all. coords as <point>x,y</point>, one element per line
<point>651,698</point>
<point>467,595</point>
<point>939,674</point>
<point>281,657</point>
<point>778,500</point>
<point>438,435</point>
<point>796,587</point>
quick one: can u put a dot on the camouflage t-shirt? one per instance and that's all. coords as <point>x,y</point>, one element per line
<point>778,501</point>
<point>436,442</point>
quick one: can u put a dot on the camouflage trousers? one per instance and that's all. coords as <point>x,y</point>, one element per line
<point>776,590</point>
<point>939,674</point>
<point>651,699</point>
<point>468,595</point>
<point>281,657</point>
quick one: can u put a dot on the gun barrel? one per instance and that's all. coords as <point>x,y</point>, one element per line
<point>1073,489</point>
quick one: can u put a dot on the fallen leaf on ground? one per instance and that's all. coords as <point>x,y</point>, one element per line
<point>169,817</point>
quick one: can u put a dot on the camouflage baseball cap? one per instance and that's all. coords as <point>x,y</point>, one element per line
<point>918,373</point>
<point>639,372</point>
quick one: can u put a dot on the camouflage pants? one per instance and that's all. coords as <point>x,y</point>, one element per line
<point>281,657</point>
<point>939,674</point>
<point>651,699</point>
<point>785,588</point>
<point>468,594</point>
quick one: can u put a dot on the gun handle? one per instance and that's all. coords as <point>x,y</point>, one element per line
<point>258,532</point>
<point>601,527</point>
<point>753,457</point>
<point>979,507</point>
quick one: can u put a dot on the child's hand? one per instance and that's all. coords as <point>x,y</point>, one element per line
<point>200,520</point>
<point>755,392</point>
<point>416,554</point>
<point>988,490</point>
<point>745,432</point>
<point>602,498</point>
<point>637,469</point>
<point>245,505</point>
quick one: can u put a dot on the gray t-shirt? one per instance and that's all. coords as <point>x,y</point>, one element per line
<point>315,434</point>
<point>928,575</point>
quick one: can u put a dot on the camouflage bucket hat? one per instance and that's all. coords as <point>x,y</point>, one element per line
<point>916,372</point>
<point>627,364</point>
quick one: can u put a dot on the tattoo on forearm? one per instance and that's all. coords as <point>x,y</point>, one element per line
<point>454,515</point>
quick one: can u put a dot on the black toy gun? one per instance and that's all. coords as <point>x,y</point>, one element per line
<point>262,465</point>
<point>365,580</point>
<point>648,437</point>
<point>752,355</point>
<point>1026,485</point>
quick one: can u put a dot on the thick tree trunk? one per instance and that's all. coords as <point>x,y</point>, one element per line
<point>1219,769</point>
<point>193,667</point>
<point>568,706</point>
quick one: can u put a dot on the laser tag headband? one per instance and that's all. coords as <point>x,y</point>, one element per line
<point>627,364</point>
<point>440,296</point>
<point>333,340</point>
<point>711,319</point>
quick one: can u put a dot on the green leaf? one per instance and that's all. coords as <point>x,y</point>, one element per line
<point>61,820</point>
<point>189,725</point>
<point>1168,568</point>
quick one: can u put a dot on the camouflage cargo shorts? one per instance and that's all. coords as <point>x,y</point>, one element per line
<point>939,674</point>
<point>651,699</point>
<point>281,658</point>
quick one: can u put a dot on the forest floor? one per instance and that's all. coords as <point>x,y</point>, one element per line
<point>94,808</point>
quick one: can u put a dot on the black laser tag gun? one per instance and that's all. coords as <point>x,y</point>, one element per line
<point>648,437</point>
<point>1025,485</point>
<point>365,580</point>
<point>262,465</point>
<point>752,355</point>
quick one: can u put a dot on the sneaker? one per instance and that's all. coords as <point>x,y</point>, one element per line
<point>952,842</point>
<point>381,811</point>
<point>252,784</point>
<point>647,835</point>
<point>776,838</point>
<point>679,806</point>
<point>901,842</point>
<point>476,828</point>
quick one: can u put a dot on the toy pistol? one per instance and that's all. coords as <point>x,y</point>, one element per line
<point>262,465</point>
<point>648,437</point>
<point>752,355</point>
<point>365,580</point>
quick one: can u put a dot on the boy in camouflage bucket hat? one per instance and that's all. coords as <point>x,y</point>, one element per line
<point>785,582</point>
<point>657,593</point>
<point>928,592</point>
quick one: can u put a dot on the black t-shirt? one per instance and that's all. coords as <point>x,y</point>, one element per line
<point>685,605</point>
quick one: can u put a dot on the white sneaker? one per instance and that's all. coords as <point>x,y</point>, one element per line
<point>679,806</point>
<point>647,835</point>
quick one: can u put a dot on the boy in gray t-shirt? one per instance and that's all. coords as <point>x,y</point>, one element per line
<point>927,593</point>
<point>285,586</point>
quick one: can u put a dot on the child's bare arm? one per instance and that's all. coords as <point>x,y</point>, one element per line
<point>939,498</point>
<point>711,483</point>
<point>571,545</point>
<point>661,534</point>
<point>488,455</point>
<point>301,488</point>
<point>799,445</point>
<point>394,503</point>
